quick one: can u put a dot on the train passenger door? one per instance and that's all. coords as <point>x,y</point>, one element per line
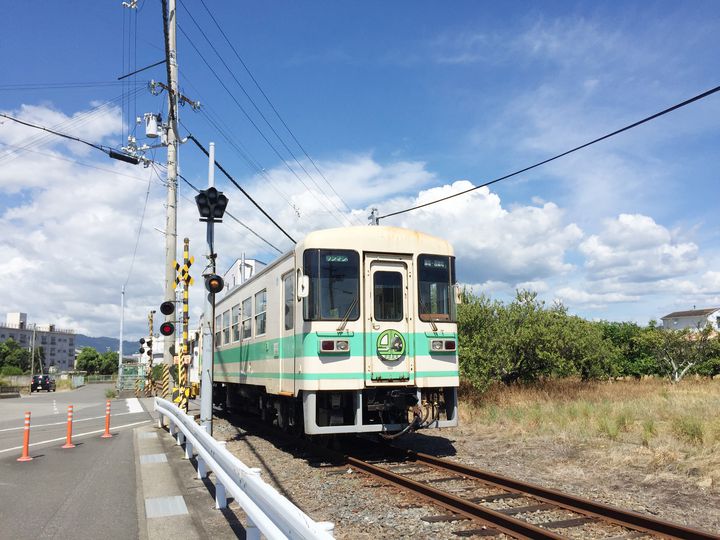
<point>389,354</point>
<point>287,335</point>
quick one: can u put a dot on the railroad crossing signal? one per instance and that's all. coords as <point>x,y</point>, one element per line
<point>184,273</point>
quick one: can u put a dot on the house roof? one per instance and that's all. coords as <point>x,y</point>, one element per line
<point>690,313</point>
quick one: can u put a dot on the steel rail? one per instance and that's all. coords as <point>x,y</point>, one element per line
<point>604,512</point>
<point>496,520</point>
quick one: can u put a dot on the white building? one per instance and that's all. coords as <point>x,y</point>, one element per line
<point>58,344</point>
<point>240,271</point>
<point>693,319</point>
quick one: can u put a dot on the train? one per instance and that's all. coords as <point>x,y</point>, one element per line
<point>352,331</point>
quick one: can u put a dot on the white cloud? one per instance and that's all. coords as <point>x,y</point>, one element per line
<point>525,243</point>
<point>636,248</point>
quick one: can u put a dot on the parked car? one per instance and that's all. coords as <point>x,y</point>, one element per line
<point>42,382</point>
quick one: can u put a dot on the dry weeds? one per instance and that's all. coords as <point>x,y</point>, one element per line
<point>650,424</point>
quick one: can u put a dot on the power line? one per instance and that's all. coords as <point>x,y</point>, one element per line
<point>252,163</point>
<point>247,115</point>
<point>558,156</point>
<point>267,99</point>
<point>262,115</point>
<point>234,218</point>
<point>106,149</point>
<point>70,122</point>
<point>57,86</point>
<point>75,161</point>
<point>227,175</point>
<point>142,219</point>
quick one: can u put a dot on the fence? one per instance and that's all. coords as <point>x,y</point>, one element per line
<point>91,379</point>
<point>267,511</point>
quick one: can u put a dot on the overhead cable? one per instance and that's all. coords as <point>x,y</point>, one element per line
<point>227,175</point>
<point>142,219</point>
<point>267,99</point>
<point>249,118</point>
<point>262,115</point>
<point>558,156</point>
<point>234,218</point>
<point>106,149</point>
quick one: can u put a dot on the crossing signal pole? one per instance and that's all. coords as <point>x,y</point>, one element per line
<point>211,205</point>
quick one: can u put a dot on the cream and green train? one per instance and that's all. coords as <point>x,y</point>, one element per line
<point>352,331</point>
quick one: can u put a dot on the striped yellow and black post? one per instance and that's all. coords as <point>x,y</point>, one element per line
<point>186,279</point>
<point>137,387</point>
<point>165,381</point>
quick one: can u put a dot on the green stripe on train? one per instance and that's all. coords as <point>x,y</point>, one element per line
<point>329,376</point>
<point>303,345</point>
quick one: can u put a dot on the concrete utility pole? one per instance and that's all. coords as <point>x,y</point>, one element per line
<point>32,355</point>
<point>207,366</point>
<point>169,15</point>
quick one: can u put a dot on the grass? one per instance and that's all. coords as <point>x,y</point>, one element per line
<point>110,393</point>
<point>676,426</point>
<point>63,384</point>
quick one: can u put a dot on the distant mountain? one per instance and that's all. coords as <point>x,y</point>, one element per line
<point>102,344</point>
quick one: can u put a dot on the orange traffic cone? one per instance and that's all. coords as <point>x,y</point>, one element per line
<point>68,441</point>
<point>26,440</point>
<point>107,434</point>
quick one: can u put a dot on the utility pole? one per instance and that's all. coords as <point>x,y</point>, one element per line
<point>170,20</point>
<point>32,355</point>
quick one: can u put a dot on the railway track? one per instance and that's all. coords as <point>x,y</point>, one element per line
<point>506,506</point>
<point>483,503</point>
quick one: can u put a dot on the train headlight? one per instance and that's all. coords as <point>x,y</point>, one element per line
<point>437,345</point>
<point>450,345</point>
<point>334,346</point>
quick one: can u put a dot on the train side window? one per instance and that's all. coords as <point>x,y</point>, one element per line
<point>235,320</point>
<point>247,318</point>
<point>218,330</point>
<point>226,327</point>
<point>260,308</point>
<point>289,301</point>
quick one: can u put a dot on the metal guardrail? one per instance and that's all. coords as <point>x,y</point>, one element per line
<point>268,512</point>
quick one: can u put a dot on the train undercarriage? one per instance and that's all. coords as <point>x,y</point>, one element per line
<point>389,411</point>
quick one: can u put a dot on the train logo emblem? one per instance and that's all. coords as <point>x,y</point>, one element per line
<point>390,345</point>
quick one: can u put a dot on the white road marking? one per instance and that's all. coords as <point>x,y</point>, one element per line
<point>55,409</point>
<point>133,405</point>
<point>75,421</point>
<point>75,435</point>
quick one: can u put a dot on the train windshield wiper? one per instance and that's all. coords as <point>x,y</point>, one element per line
<point>347,315</point>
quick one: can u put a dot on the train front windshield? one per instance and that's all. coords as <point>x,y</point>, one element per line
<point>334,285</point>
<point>436,277</point>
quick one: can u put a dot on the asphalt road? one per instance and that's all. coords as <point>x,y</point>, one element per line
<point>85,492</point>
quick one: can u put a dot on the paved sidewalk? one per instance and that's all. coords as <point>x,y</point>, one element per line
<point>172,500</point>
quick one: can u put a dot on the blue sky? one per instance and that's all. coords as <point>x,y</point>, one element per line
<point>397,103</point>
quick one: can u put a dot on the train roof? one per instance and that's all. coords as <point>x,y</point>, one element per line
<point>377,238</point>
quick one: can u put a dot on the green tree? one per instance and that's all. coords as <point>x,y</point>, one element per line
<point>108,363</point>
<point>635,358</point>
<point>13,355</point>
<point>679,352</point>
<point>525,340</point>
<point>88,360</point>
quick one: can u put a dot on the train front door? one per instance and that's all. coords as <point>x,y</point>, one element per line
<point>389,355</point>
